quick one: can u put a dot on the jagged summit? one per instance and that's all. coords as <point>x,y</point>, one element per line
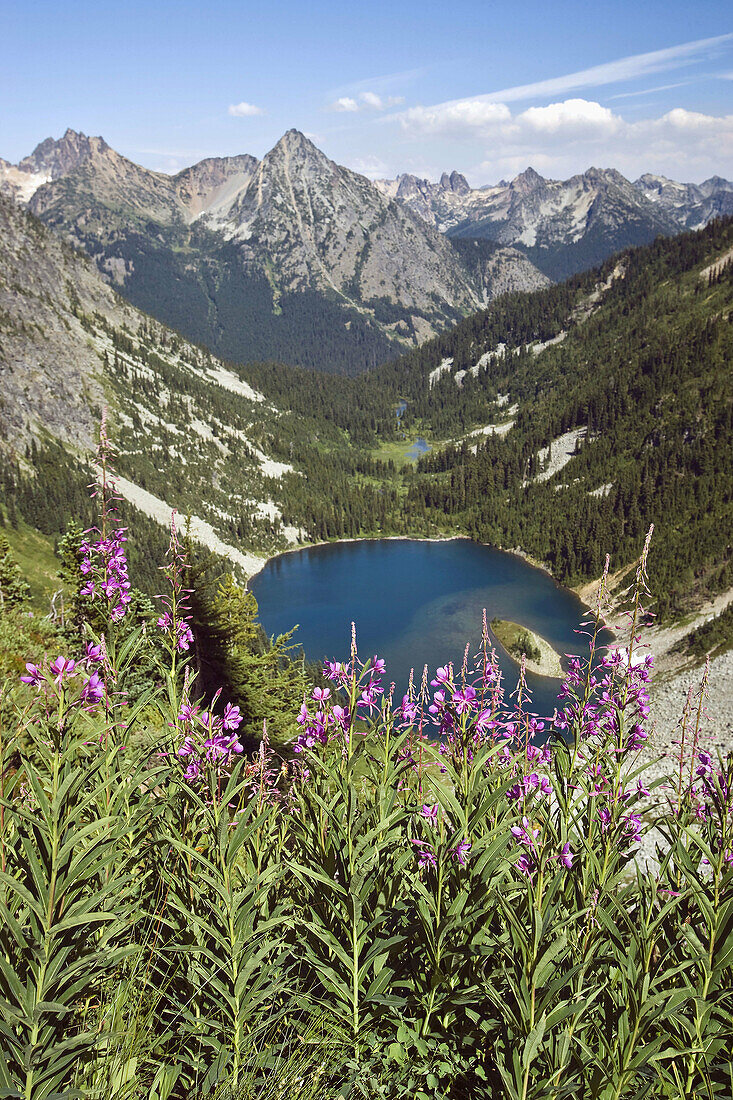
<point>57,157</point>
<point>455,182</point>
<point>527,181</point>
<point>227,249</point>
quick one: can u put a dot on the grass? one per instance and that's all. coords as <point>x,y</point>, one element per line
<point>397,452</point>
<point>513,636</point>
<point>37,559</point>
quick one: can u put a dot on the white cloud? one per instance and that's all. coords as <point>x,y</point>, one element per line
<point>651,91</point>
<point>680,119</point>
<point>461,117</point>
<point>244,110</point>
<point>371,99</point>
<point>380,103</point>
<point>344,103</point>
<point>612,72</point>
<point>567,137</point>
<point>367,101</point>
<point>573,118</point>
<point>372,167</point>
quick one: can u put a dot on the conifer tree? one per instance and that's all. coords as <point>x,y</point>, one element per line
<point>14,588</point>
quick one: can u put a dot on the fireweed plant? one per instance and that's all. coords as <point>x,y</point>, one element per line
<point>442,895</point>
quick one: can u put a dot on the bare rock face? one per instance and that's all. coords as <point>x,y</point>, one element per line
<point>237,252</point>
<point>57,158</point>
<point>321,224</point>
<point>254,234</point>
<point>50,160</point>
<point>692,205</point>
<point>50,379</point>
<point>212,185</point>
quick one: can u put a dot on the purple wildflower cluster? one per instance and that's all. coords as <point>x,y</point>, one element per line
<point>103,562</point>
<point>208,739</point>
<point>64,674</point>
<point>322,718</point>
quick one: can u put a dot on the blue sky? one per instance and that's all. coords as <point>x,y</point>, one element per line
<point>484,87</point>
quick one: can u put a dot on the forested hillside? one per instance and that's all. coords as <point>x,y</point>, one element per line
<point>632,359</point>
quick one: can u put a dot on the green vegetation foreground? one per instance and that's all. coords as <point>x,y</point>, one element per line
<point>378,914</point>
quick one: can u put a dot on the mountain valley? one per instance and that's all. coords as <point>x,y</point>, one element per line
<point>561,421</point>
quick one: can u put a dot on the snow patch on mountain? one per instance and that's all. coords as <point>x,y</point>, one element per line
<point>230,381</point>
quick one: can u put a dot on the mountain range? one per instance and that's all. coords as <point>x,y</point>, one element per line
<point>563,226</point>
<point>298,259</point>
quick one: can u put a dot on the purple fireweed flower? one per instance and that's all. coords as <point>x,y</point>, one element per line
<point>93,653</point>
<point>525,834</point>
<point>210,721</point>
<point>485,721</point>
<point>463,701</point>
<point>632,828</point>
<point>443,676</point>
<point>187,712</point>
<point>61,667</point>
<point>524,864</point>
<point>378,666</point>
<point>34,676</point>
<point>187,748</point>
<point>93,690</point>
<point>341,717</point>
<point>193,771</point>
<point>641,790</point>
<point>408,710</point>
<point>438,704</point>
<point>566,856</point>
<point>220,745</point>
<point>320,695</point>
<point>461,851</point>
<point>426,854</point>
<point>336,671</point>
<point>368,698</point>
<point>232,717</point>
<point>185,637</point>
<point>430,813</point>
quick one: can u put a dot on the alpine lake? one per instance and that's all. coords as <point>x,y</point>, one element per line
<point>417,602</point>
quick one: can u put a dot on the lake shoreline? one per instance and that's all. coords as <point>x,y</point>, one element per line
<point>549,667</point>
<point>516,551</point>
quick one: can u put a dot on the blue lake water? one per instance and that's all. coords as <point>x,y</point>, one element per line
<point>419,447</point>
<point>415,602</point>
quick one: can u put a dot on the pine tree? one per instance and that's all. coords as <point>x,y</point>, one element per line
<point>14,588</point>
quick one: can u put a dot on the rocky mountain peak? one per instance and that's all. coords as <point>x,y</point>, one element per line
<point>715,183</point>
<point>56,158</point>
<point>605,176</point>
<point>295,143</point>
<point>455,182</point>
<point>527,181</point>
